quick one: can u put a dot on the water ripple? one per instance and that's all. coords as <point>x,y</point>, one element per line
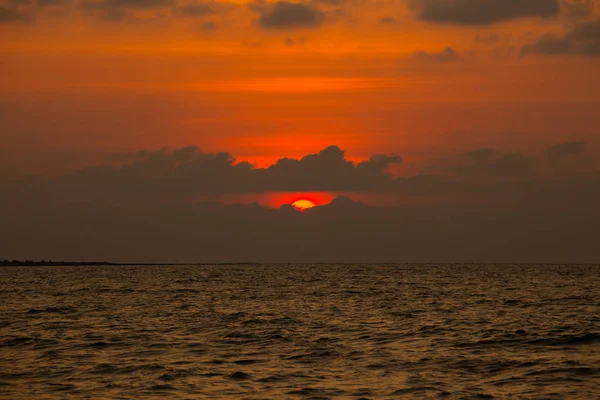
<point>300,331</point>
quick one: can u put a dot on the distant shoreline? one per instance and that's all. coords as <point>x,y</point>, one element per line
<point>4,263</point>
<point>70,264</point>
<point>43,263</point>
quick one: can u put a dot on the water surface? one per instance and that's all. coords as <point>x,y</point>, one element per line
<point>300,331</point>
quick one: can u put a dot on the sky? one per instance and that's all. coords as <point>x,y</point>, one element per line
<point>424,130</point>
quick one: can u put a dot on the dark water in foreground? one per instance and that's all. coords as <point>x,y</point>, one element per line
<point>310,331</point>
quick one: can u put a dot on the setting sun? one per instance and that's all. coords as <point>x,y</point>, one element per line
<point>302,205</point>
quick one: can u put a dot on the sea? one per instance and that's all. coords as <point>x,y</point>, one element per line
<point>287,331</point>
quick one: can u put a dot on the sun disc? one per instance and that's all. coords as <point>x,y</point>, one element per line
<point>303,204</point>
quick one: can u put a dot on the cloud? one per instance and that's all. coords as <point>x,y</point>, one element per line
<point>208,26</point>
<point>120,10</point>
<point>188,172</point>
<point>343,231</point>
<point>333,3</point>
<point>578,8</point>
<point>49,3</point>
<point>291,42</point>
<point>329,170</point>
<point>191,172</point>
<point>490,38</point>
<point>286,15</point>
<point>135,155</point>
<point>480,155</point>
<point>140,4</point>
<point>583,40</point>
<point>196,10</point>
<point>446,55</point>
<point>10,15</point>
<point>485,163</point>
<point>125,4</point>
<point>566,149</point>
<point>483,12</point>
<point>387,20</point>
<point>150,208</point>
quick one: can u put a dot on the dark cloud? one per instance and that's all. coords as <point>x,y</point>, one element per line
<point>149,209</point>
<point>50,3</point>
<point>294,41</point>
<point>329,170</point>
<point>583,39</point>
<point>141,4</point>
<point>196,10</point>
<point>10,15</point>
<point>333,3</point>
<point>188,171</point>
<point>486,163</point>
<point>503,51</point>
<point>482,12</point>
<point>344,231</point>
<point>135,155</point>
<point>113,15</point>
<point>480,154</point>
<point>41,3</point>
<point>566,149</point>
<point>120,10</point>
<point>578,8</point>
<point>208,26</point>
<point>446,55</point>
<point>508,165</point>
<point>490,38</point>
<point>387,20</point>
<point>286,15</point>
<point>258,6</point>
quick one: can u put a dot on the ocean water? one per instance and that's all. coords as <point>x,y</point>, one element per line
<point>300,331</point>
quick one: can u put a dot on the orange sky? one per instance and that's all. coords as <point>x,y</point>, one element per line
<point>85,79</point>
